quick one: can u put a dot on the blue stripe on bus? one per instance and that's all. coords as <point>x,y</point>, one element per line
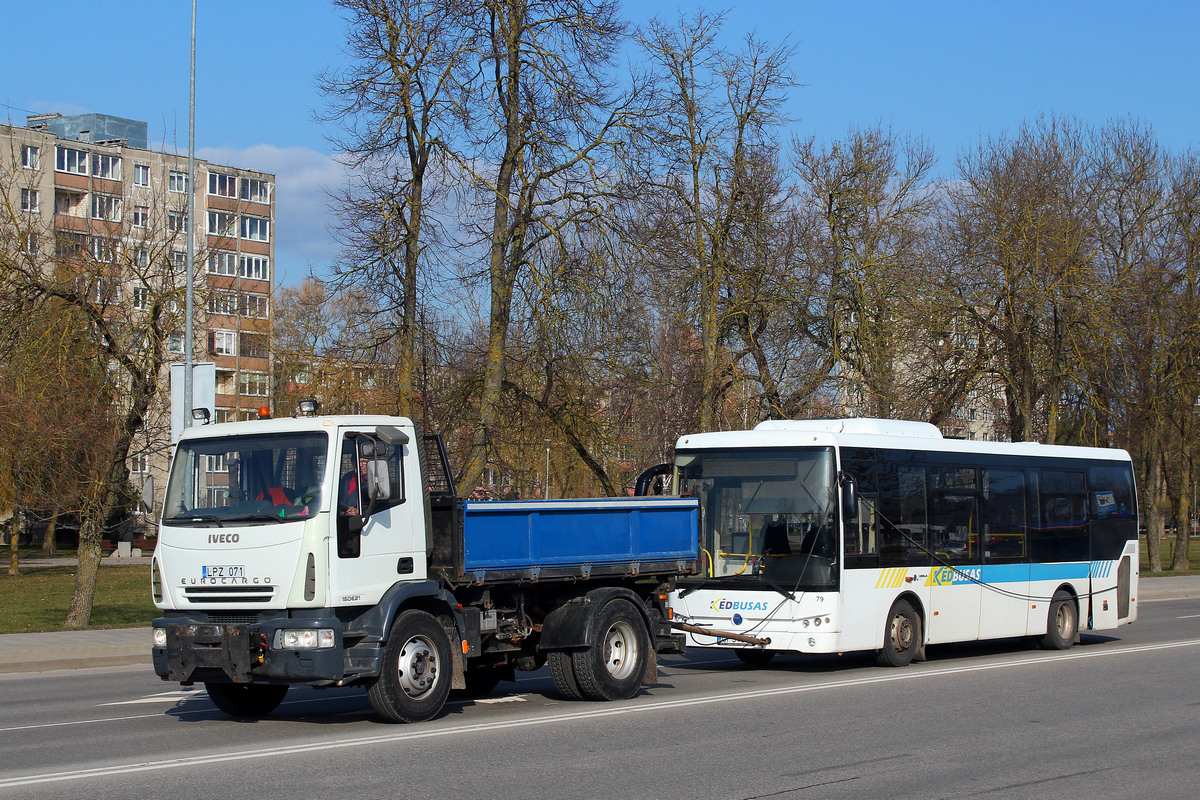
<point>1014,573</point>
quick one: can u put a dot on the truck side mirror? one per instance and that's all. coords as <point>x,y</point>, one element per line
<point>379,483</point>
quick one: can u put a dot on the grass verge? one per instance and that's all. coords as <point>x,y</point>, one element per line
<point>37,599</point>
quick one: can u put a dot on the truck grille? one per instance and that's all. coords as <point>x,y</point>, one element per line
<point>229,594</point>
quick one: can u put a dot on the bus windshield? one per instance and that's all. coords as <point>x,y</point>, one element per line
<point>767,515</point>
<point>247,479</point>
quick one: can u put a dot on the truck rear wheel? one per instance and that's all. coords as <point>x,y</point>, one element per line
<point>562,672</point>
<point>614,666</point>
<point>415,679</point>
<point>246,699</point>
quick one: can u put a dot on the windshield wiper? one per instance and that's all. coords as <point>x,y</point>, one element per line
<point>257,518</point>
<point>181,518</point>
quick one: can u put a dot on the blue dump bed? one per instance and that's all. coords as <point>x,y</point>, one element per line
<point>578,539</point>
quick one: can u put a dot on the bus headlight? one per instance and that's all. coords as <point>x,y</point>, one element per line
<point>304,639</point>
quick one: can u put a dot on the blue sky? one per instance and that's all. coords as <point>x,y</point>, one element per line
<point>952,72</point>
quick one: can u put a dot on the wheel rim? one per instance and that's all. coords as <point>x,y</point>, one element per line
<point>620,650</point>
<point>418,667</point>
<point>1064,621</point>
<point>902,633</point>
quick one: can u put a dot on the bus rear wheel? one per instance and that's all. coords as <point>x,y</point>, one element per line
<point>1062,624</point>
<point>901,636</point>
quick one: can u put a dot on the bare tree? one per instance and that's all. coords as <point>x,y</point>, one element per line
<point>714,108</point>
<point>396,104</point>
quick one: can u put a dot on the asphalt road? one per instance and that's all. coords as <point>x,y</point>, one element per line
<point>1115,717</point>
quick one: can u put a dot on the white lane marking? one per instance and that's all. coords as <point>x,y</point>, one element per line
<point>161,697</point>
<point>1189,616</point>
<point>570,716</point>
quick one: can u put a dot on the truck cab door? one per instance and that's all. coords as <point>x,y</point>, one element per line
<point>376,542</point>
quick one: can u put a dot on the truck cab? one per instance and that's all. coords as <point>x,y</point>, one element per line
<point>333,551</point>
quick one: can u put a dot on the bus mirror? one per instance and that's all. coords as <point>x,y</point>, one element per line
<point>147,498</point>
<point>849,498</point>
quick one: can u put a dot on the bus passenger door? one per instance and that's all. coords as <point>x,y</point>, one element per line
<point>1005,574</point>
<point>954,577</point>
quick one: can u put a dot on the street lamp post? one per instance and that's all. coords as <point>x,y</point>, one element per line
<point>548,443</point>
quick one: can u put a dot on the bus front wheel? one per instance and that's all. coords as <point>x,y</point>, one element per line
<point>1062,624</point>
<point>901,636</point>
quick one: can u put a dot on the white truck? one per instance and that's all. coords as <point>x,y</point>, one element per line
<point>334,551</point>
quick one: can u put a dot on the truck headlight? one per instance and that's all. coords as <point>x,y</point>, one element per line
<point>160,637</point>
<point>304,639</point>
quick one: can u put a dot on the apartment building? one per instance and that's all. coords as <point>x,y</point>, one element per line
<point>91,187</point>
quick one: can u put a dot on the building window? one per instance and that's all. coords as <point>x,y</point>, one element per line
<point>222,303</point>
<point>222,262</point>
<point>29,200</point>
<point>222,185</point>
<point>253,346</point>
<point>141,216</point>
<point>69,244</point>
<point>175,342</point>
<point>68,159</point>
<point>177,182</point>
<point>103,291</point>
<point>106,166</point>
<point>177,221</point>
<point>221,223</point>
<point>253,306</point>
<point>72,204</point>
<point>224,343</point>
<point>254,384</point>
<point>256,229</point>
<point>30,157</point>
<point>256,267</point>
<point>105,249</point>
<point>31,243</point>
<point>138,464</point>
<point>142,258</point>
<point>106,207</point>
<point>141,297</point>
<point>255,190</point>
<point>225,414</point>
<point>141,175</point>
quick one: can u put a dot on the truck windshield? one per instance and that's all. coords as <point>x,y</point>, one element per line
<point>767,515</point>
<point>250,479</point>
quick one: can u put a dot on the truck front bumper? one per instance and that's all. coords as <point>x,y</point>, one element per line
<point>245,652</point>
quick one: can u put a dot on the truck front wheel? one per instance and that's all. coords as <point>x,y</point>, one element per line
<point>245,699</point>
<point>614,666</point>
<point>415,679</point>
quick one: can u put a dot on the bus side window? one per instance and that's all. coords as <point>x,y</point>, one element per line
<point>1004,527</point>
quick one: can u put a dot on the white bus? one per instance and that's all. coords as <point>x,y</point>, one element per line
<point>846,535</point>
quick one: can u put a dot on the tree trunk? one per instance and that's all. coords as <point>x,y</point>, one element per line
<point>48,536</point>
<point>14,527</point>
<point>79,614</point>
<point>1153,515</point>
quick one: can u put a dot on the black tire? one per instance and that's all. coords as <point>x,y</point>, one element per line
<point>1062,623</point>
<point>901,636</point>
<point>482,681</point>
<point>562,672</point>
<point>246,699</point>
<point>415,680</point>
<point>755,657</point>
<point>615,665</point>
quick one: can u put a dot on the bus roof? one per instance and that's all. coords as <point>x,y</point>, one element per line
<point>879,433</point>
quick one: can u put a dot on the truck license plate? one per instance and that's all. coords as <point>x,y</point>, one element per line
<point>223,571</point>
